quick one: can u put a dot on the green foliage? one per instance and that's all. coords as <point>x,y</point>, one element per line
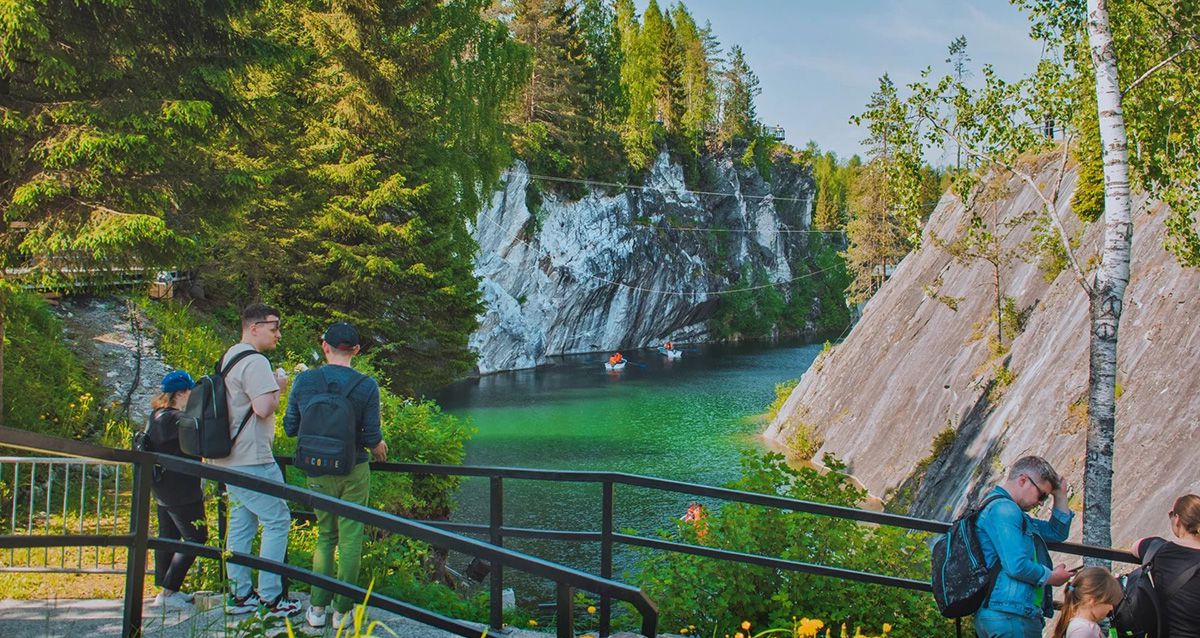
<point>715,594</point>
<point>753,309</point>
<point>322,157</point>
<point>186,339</point>
<point>782,392</point>
<point>419,432</point>
<point>108,118</point>
<point>46,388</point>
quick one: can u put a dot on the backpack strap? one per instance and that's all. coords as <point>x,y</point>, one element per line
<point>347,390</point>
<point>1152,552</point>
<point>232,362</point>
<point>994,570</point>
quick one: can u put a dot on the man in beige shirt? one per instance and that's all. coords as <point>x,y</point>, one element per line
<point>253,389</point>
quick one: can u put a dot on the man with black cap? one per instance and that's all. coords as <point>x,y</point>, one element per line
<point>340,343</point>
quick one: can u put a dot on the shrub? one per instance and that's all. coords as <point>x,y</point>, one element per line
<point>46,387</point>
<point>782,392</point>
<point>714,594</point>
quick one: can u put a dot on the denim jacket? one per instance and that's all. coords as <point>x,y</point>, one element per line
<point>1020,542</point>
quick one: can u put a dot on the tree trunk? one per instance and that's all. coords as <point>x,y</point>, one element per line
<point>1108,289</point>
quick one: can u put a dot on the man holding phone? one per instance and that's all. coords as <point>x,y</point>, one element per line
<point>1021,597</point>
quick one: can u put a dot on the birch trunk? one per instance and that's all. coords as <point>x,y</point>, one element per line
<point>1108,290</point>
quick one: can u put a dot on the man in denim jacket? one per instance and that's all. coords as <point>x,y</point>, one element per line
<point>1021,598</point>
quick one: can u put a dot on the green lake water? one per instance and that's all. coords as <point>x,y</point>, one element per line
<point>687,419</point>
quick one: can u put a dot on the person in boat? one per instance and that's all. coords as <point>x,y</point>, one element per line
<point>615,359</point>
<point>670,346</point>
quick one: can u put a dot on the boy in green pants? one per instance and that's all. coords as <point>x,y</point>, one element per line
<point>340,343</point>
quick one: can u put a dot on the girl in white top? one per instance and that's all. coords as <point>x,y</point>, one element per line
<point>1089,596</point>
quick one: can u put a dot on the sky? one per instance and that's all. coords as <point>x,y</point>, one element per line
<point>818,61</point>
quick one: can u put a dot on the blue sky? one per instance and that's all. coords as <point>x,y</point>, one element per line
<point>818,61</point>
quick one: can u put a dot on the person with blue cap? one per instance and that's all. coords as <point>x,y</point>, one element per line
<point>179,496</point>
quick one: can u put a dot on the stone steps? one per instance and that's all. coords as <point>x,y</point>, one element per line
<point>102,619</point>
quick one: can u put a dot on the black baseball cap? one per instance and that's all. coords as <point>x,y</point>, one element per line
<point>342,336</point>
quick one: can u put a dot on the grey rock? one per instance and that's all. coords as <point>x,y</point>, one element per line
<point>913,367</point>
<point>624,270</point>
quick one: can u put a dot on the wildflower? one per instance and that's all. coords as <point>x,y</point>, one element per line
<point>739,635</point>
<point>532,623</point>
<point>591,609</point>
<point>887,626</point>
<point>683,630</point>
<point>746,625</point>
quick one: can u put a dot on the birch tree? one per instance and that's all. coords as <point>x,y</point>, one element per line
<point>1108,289</point>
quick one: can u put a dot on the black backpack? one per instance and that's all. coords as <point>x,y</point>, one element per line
<point>1140,614</point>
<point>328,437</point>
<point>204,425</point>
<point>962,581</point>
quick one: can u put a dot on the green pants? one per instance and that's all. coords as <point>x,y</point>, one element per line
<point>344,534</point>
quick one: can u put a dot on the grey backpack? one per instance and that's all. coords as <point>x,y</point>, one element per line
<point>328,440</point>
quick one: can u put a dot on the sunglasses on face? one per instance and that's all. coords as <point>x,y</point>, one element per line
<point>271,324</point>
<point>1042,496</point>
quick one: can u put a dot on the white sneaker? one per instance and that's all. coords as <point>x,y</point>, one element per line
<point>315,616</point>
<point>172,601</point>
<point>235,605</point>
<point>283,607</point>
<point>349,618</point>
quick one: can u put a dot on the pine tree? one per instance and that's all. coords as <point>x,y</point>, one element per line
<point>110,112</point>
<point>700,94</point>
<point>639,73</point>
<point>738,117</point>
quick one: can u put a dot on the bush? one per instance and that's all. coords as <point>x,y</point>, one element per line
<point>46,387</point>
<point>712,594</point>
<point>782,392</point>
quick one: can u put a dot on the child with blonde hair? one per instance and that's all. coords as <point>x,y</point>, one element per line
<point>1089,596</point>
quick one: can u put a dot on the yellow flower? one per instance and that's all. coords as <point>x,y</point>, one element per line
<point>591,609</point>
<point>532,623</point>
<point>887,626</point>
<point>746,624</point>
<point>683,630</point>
<point>739,635</point>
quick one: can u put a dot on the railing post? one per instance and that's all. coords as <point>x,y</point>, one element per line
<point>564,612</point>
<point>222,530</point>
<point>606,551</point>
<point>496,537</point>
<point>135,564</point>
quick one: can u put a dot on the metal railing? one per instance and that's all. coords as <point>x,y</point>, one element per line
<point>446,534</point>
<point>62,496</point>
<point>138,540</point>
<point>496,531</point>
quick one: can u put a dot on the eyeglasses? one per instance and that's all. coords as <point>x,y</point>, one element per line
<point>1042,496</point>
<point>272,324</point>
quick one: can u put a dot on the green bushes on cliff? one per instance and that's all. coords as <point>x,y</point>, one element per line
<point>708,593</point>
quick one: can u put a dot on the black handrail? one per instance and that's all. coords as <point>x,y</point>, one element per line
<point>607,537</point>
<point>723,493</point>
<point>564,577</point>
<point>433,531</point>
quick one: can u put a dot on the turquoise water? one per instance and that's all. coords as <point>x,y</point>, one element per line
<point>687,419</point>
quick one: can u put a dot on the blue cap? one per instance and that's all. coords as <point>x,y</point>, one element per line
<point>176,381</point>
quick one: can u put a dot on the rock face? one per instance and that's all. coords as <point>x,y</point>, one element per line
<point>919,363</point>
<point>628,269</point>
